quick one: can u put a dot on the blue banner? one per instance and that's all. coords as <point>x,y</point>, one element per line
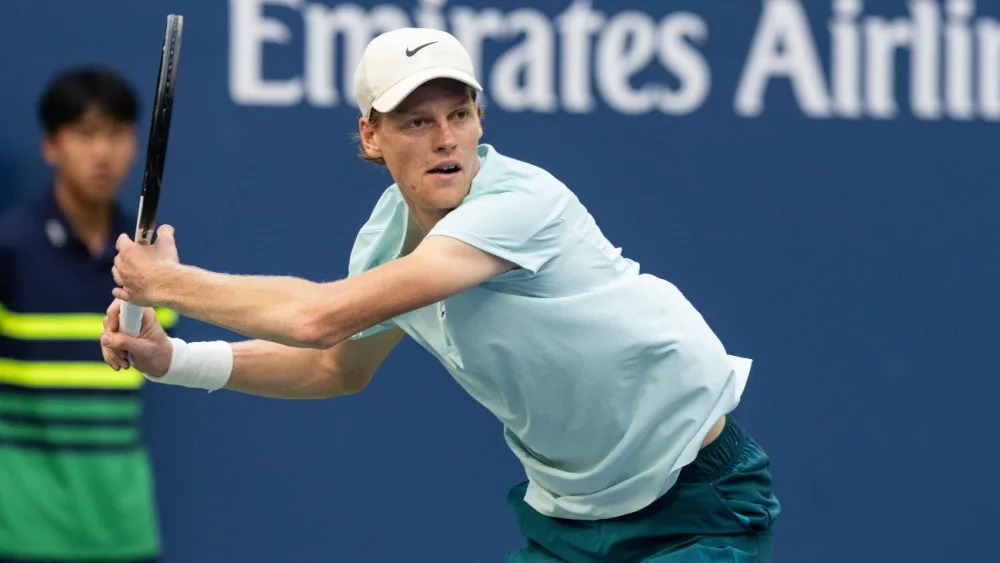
<point>819,178</point>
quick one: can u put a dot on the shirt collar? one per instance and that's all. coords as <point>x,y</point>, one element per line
<point>59,234</point>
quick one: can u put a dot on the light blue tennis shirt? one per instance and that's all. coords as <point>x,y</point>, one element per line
<point>606,379</point>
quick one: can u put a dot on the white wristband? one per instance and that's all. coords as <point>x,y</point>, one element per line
<point>201,365</point>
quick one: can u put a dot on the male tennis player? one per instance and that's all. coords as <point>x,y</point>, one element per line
<point>613,391</point>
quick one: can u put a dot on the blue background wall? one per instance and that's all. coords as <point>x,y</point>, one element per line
<point>854,258</point>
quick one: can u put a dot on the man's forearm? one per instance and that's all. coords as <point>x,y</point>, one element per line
<point>274,370</point>
<point>274,308</point>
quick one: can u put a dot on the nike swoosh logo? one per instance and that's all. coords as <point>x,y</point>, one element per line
<point>411,52</point>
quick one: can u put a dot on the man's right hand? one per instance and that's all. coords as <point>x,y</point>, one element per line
<point>151,348</point>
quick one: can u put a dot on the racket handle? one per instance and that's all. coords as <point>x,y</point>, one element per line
<point>130,321</point>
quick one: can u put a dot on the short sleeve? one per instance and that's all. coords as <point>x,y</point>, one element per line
<point>519,220</point>
<point>6,290</point>
<point>8,234</point>
<point>379,240</point>
<point>6,280</point>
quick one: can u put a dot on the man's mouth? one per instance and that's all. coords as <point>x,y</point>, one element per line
<point>446,169</point>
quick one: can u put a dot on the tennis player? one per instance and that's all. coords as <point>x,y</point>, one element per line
<point>613,391</point>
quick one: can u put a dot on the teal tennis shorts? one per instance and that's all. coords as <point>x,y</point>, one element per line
<point>720,510</point>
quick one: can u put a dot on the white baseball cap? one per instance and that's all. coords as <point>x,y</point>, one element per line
<point>397,62</point>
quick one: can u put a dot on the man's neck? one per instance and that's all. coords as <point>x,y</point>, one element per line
<point>425,219</point>
<point>91,222</point>
<point>414,235</point>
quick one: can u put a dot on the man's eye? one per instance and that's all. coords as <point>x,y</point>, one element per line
<point>417,123</point>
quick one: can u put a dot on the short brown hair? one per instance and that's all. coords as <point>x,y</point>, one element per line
<point>376,117</point>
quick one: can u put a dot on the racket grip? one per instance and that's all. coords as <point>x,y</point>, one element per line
<point>130,319</point>
<point>129,322</point>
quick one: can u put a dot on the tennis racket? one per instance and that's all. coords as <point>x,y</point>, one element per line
<point>130,318</point>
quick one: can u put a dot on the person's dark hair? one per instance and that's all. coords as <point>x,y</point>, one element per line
<point>71,93</point>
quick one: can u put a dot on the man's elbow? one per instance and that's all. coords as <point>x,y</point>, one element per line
<point>317,331</point>
<point>306,336</point>
<point>330,386</point>
<point>340,376</point>
<point>338,383</point>
<point>353,384</point>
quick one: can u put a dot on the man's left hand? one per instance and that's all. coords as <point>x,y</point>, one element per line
<point>137,266</point>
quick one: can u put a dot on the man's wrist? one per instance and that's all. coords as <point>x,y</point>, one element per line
<point>167,286</point>
<point>200,365</point>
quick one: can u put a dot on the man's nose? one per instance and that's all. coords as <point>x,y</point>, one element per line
<point>101,146</point>
<point>446,140</point>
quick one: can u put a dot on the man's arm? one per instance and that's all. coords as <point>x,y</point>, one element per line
<point>274,370</point>
<point>300,313</point>
<point>257,367</point>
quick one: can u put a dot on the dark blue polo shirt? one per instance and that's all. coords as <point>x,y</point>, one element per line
<point>74,477</point>
<point>47,269</point>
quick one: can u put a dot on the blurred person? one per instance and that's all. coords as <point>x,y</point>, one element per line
<point>613,391</point>
<point>75,481</point>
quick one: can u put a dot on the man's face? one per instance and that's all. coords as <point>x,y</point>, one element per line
<point>92,155</point>
<point>429,145</point>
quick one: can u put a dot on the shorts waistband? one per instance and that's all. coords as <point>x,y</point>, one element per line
<point>718,457</point>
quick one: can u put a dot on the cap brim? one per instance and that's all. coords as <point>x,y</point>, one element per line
<point>395,95</point>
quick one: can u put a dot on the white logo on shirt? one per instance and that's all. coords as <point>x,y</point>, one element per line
<point>56,233</point>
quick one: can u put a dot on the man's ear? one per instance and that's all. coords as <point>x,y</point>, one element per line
<point>49,150</point>
<point>368,141</point>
